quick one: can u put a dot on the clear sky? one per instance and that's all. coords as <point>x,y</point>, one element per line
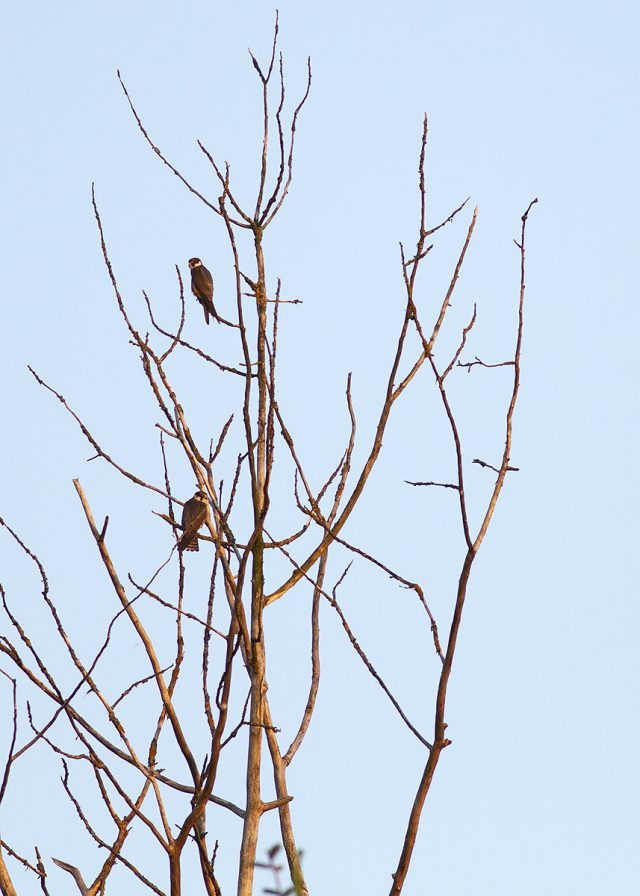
<point>539,792</point>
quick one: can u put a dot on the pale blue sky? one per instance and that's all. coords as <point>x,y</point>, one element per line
<point>539,791</point>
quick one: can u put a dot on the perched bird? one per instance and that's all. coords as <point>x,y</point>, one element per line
<point>194,513</point>
<point>202,287</point>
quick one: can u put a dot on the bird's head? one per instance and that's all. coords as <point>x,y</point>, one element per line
<point>194,263</point>
<point>200,495</point>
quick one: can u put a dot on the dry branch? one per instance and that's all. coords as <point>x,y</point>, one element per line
<point>236,542</point>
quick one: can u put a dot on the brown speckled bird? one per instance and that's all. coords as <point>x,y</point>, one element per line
<point>202,287</point>
<point>194,513</point>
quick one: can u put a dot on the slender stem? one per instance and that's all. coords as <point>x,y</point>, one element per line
<point>286,826</point>
<point>440,741</point>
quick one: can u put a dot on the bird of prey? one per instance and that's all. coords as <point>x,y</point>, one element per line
<point>202,287</point>
<point>194,513</point>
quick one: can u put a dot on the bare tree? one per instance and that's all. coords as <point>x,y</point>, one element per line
<point>221,652</point>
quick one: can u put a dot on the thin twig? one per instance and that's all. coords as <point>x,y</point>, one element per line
<point>479,363</point>
<point>483,463</point>
<point>14,734</point>
<point>438,484</point>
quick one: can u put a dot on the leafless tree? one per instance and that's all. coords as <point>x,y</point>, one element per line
<point>220,653</point>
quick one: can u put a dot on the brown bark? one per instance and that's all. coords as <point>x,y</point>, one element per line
<point>6,884</point>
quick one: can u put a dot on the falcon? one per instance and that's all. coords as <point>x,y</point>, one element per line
<point>194,513</point>
<point>202,287</point>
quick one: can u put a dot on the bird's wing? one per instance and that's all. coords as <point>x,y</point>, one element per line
<point>194,513</point>
<point>208,279</point>
<point>202,283</point>
<point>188,513</point>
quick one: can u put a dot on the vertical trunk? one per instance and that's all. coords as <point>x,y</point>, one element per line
<point>261,303</point>
<point>174,872</point>
<point>254,801</point>
<point>254,758</point>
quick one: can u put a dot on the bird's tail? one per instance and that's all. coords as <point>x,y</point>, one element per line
<point>189,542</point>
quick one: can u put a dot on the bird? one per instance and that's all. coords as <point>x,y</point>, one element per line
<point>194,513</point>
<point>202,287</point>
